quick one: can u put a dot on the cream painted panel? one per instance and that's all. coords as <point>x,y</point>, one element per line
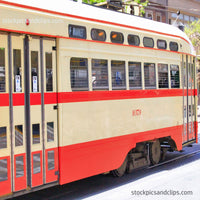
<point>89,121</point>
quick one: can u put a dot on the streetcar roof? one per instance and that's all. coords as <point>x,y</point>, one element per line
<point>104,15</point>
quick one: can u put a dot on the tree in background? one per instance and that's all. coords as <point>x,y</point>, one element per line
<point>193,32</point>
<point>93,1</point>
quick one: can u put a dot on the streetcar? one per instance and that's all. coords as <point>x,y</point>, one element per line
<point>86,91</point>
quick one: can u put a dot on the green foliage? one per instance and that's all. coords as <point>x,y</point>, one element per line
<point>193,32</point>
<point>93,1</point>
<point>142,4</point>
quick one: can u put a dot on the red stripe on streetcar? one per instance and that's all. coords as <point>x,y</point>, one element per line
<point>51,98</point>
<point>18,99</point>
<point>4,99</point>
<point>35,99</point>
<point>67,97</point>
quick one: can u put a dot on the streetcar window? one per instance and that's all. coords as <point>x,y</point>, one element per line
<point>135,75</point>
<point>79,74</point>
<point>36,133</point>
<point>4,170</point>
<point>161,44</point>
<point>2,70</point>
<point>18,135</point>
<point>49,72</point>
<point>148,42</point>
<point>3,137</point>
<point>19,163</point>
<point>99,74</point>
<point>173,46</point>
<point>17,70</point>
<point>174,73</point>
<point>51,160</point>
<point>77,31</point>
<point>118,74</point>
<point>50,131</point>
<point>163,76</point>
<point>36,163</point>
<point>117,37</point>
<point>133,40</point>
<point>98,34</point>
<point>149,75</point>
<point>34,71</point>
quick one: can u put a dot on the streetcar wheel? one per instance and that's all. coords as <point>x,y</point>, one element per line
<point>121,170</point>
<point>155,152</point>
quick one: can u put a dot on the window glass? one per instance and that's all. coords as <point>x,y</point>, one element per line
<point>148,42</point>
<point>19,166</point>
<point>117,37</point>
<point>149,75</point>
<point>77,31</point>
<point>3,137</point>
<point>49,72</point>
<point>118,74</point>
<point>173,46</point>
<point>17,70</point>
<point>161,44</point>
<point>133,40</point>
<point>36,163</point>
<point>18,135</point>
<point>163,76</point>
<point>3,170</point>
<point>50,131</point>
<point>2,70</point>
<point>98,34</point>
<point>79,74</point>
<point>36,133</point>
<point>99,74</point>
<point>34,71</point>
<point>51,161</point>
<point>135,76</point>
<point>175,79</point>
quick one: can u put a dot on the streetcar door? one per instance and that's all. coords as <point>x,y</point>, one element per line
<point>188,99</point>
<point>43,111</point>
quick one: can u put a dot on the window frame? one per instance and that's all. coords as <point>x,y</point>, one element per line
<point>75,36</point>
<point>118,33</point>
<point>93,29</point>
<point>170,46</point>
<point>133,36</point>
<point>159,47</point>
<point>146,45</point>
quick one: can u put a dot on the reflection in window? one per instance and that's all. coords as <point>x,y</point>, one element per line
<point>99,74</point>
<point>18,135</point>
<point>17,70</point>
<point>50,131</point>
<point>148,42</point>
<point>149,75</point>
<point>161,44</point>
<point>36,163</point>
<point>3,137</point>
<point>135,76</point>
<point>173,46</point>
<point>175,79</point>
<point>133,40</point>
<point>77,31</point>
<point>36,133</point>
<point>2,70</point>
<point>163,75</point>
<point>118,74</point>
<point>3,170</point>
<point>19,166</point>
<point>98,34</point>
<point>51,161</point>
<point>117,37</point>
<point>79,74</point>
<point>34,71</point>
<point>49,72</point>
